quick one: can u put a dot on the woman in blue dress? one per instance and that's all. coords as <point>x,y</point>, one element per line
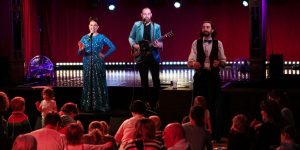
<point>94,94</point>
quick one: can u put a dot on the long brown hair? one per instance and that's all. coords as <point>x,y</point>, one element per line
<point>213,27</point>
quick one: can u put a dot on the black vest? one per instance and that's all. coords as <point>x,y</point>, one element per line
<point>213,54</point>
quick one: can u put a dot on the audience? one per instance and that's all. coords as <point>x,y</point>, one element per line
<point>62,132</point>
<point>280,97</point>
<point>238,138</point>
<point>200,101</point>
<point>267,133</point>
<point>97,134</point>
<point>174,137</point>
<point>144,137</point>
<point>127,129</point>
<point>195,132</point>
<point>74,136</point>
<point>287,138</point>
<point>25,142</point>
<point>48,138</point>
<point>4,104</point>
<point>18,122</point>
<point>67,113</point>
<point>157,123</point>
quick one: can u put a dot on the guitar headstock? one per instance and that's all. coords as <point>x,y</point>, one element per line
<point>169,34</point>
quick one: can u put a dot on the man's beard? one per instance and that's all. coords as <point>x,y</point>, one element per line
<point>206,33</point>
<point>146,20</point>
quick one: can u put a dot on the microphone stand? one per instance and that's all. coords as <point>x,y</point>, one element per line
<point>91,69</point>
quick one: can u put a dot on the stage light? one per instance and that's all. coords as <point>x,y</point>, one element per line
<point>245,3</point>
<point>177,4</point>
<point>111,5</point>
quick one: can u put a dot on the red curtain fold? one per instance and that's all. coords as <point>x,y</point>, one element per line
<point>31,39</point>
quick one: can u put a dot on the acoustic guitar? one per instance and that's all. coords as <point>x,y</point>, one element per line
<point>145,45</point>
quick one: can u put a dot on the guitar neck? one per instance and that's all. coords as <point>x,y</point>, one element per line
<point>159,39</point>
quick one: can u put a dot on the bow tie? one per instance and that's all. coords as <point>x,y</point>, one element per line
<point>207,41</point>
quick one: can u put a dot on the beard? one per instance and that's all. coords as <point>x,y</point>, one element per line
<point>206,33</point>
<point>146,20</point>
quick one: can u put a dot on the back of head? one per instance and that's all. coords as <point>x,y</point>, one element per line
<point>173,133</point>
<point>105,127</point>
<point>156,121</point>
<point>200,101</point>
<point>137,106</point>
<point>52,118</point>
<point>279,96</point>
<point>289,131</point>
<point>74,134</point>
<point>240,123</point>
<point>49,92</point>
<point>145,129</point>
<point>17,104</point>
<point>95,125</point>
<point>25,142</point>
<point>4,102</point>
<point>69,108</point>
<point>197,114</point>
<point>95,129</point>
<point>272,109</point>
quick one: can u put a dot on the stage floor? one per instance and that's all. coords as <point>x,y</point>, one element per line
<point>131,78</point>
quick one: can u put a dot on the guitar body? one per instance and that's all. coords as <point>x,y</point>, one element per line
<point>144,50</point>
<point>145,46</point>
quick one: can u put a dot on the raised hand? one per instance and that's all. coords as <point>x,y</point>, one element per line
<point>80,45</point>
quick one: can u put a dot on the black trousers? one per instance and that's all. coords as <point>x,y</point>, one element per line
<point>149,63</point>
<point>208,84</point>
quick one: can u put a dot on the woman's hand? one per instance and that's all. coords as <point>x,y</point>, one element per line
<point>80,46</point>
<point>101,55</point>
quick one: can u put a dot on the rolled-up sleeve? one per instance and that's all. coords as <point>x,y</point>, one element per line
<point>193,53</point>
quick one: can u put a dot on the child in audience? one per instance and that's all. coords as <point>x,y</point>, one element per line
<point>4,105</point>
<point>287,139</point>
<point>157,123</point>
<point>18,122</point>
<point>48,103</point>
<point>238,135</point>
<point>25,142</point>
<point>200,101</point>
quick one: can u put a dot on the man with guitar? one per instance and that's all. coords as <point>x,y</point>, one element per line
<point>206,57</point>
<point>144,41</point>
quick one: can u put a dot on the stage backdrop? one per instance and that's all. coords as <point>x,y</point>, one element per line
<point>63,22</point>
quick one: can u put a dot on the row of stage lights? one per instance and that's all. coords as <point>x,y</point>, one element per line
<point>111,4</point>
<point>176,63</point>
<point>120,63</point>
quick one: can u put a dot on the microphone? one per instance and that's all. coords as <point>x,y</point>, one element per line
<point>91,36</point>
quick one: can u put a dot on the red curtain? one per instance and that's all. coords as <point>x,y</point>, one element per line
<point>64,22</point>
<point>31,39</point>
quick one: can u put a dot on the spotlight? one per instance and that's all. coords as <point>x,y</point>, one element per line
<point>177,4</point>
<point>111,7</point>
<point>111,4</point>
<point>245,3</point>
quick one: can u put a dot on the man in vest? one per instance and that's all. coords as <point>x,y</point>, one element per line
<point>206,57</point>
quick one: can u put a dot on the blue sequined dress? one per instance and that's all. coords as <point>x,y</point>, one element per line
<point>95,94</point>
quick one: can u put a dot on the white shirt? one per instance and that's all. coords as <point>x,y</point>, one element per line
<point>207,47</point>
<point>48,139</point>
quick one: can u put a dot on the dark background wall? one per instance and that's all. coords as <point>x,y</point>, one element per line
<point>64,22</point>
